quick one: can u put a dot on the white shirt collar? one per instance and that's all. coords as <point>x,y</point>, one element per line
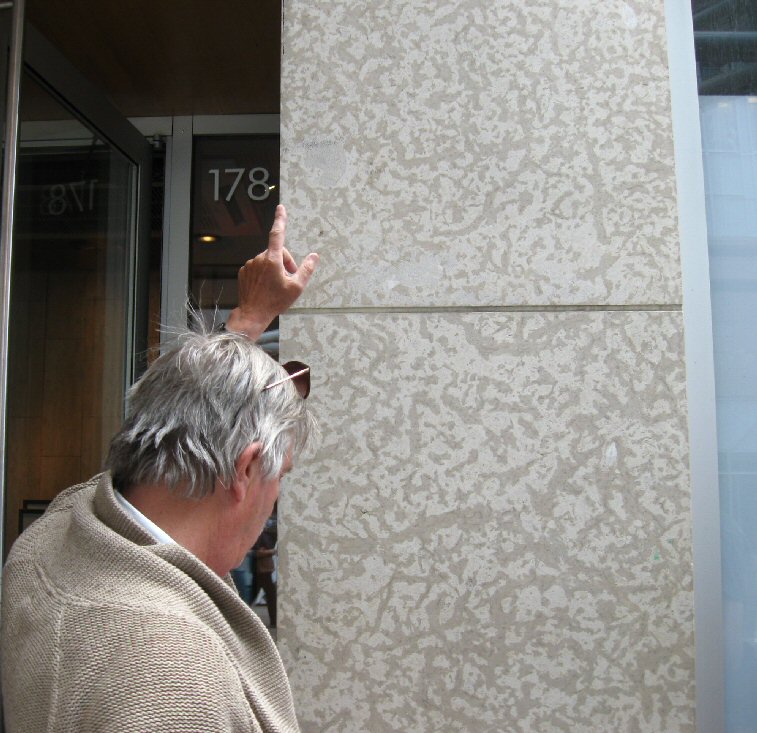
<point>147,524</point>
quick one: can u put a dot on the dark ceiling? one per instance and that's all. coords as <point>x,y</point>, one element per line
<point>171,57</point>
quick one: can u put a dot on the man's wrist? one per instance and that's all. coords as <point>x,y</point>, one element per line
<point>251,325</point>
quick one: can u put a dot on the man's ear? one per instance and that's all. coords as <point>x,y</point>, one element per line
<point>246,468</point>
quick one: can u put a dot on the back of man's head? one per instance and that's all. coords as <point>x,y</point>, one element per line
<point>198,407</point>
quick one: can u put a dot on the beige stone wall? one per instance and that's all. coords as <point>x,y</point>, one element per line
<point>493,533</point>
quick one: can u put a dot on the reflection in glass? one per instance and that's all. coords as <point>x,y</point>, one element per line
<point>725,37</point>
<point>235,192</point>
<point>726,45</point>
<point>256,576</point>
<point>729,141</point>
<point>234,196</point>
<point>69,303</point>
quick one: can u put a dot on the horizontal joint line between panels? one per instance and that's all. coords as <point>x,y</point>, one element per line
<point>669,308</point>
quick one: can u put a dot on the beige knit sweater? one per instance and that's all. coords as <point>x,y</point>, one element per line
<point>103,630</point>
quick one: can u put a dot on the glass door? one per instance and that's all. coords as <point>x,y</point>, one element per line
<point>77,325</point>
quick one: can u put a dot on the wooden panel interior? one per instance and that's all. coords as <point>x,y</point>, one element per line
<point>62,405</point>
<point>171,57</point>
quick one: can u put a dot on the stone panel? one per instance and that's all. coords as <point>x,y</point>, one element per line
<point>474,153</point>
<point>493,532</point>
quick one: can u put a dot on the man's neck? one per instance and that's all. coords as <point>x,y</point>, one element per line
<point>195,524</point>
<point>146,523</point>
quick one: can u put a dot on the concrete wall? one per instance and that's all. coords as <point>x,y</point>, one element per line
<point>494,531</point>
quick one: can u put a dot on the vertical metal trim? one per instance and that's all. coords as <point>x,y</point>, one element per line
<point>175,264</point>
<point>15,68</point>
<point>141,268</point>
<point>700,371</point>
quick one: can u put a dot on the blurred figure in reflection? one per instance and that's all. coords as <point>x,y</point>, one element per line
<point>264,551</point>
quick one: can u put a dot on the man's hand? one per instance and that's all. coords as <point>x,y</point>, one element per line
<point>270,282</point>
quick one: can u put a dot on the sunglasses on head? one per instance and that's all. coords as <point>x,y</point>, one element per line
<point>298,373</point>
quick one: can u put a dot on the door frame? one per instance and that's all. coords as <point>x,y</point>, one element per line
<point>53,71</point>
<point>66,84</point>
<point>180,132</point>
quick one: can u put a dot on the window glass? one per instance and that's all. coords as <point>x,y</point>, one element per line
<point>725,36</point>
<point>68,350</point>
<point>725,39</point>
<point>234,197</point>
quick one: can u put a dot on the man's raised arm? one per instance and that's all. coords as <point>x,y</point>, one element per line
<point>270,282</point>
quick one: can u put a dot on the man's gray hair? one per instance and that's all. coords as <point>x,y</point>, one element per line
<point>195,410</point>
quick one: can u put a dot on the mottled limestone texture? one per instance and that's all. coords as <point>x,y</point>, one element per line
<point>493,534</point>
<point>481,153</point>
